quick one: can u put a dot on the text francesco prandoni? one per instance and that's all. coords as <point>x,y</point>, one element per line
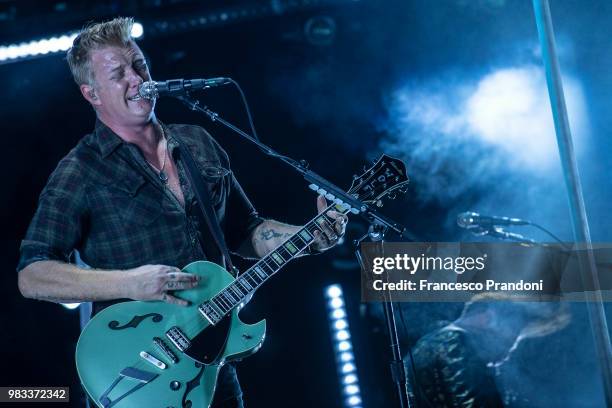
<point>408,266</point>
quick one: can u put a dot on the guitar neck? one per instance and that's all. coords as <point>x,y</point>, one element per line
<point>247,283</point>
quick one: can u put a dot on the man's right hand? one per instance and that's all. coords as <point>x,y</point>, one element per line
<point>152,282</point>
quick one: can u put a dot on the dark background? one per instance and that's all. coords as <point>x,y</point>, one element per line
<point>320,77</point>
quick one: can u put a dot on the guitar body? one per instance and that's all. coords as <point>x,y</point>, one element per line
<point>114,372</point>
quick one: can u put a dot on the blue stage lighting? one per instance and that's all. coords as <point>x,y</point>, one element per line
<point>336,303</point>
<point>47,46</point>
<point>340,333</point>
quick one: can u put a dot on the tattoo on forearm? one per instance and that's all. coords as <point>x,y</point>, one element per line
<point>269,234</point>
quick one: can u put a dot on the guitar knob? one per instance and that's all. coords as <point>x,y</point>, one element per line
<point>175,385</point>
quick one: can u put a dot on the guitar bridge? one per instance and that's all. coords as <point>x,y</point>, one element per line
<point>178,338</point>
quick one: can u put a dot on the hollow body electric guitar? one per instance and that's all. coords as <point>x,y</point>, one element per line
<point>154,354</point>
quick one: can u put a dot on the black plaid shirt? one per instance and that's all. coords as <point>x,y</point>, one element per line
<point>105,201</point>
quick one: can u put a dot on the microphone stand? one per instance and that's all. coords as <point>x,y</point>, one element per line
<point>317,183</point>
<point>498,232</point>
<point>376,233</point>
<point>379,224</point>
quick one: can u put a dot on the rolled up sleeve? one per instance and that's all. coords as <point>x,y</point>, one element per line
<point>242,217</point>
<point>55,229</point>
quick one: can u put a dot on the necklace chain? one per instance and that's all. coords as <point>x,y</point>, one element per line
<point>163,177</point>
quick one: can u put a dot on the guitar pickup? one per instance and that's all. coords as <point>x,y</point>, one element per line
<point>163,347</point>
<point>178,338</point>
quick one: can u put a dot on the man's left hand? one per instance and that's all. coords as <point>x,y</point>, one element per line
<point>332,231</point>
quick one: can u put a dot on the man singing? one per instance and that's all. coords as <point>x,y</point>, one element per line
<point>123,200</point>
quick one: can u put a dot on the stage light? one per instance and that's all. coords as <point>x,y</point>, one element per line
<point>505,112</point>
<point>351,390</point>
<point>71,306</point>
<point>137,30</point>
<point>345,357</point>
<point>344,346</point>
<point>47,46</point>
<point>336,303</point>
<point>354,400</point>
<point>350,379</point>
<point>35,48</point>
<point>343,335</point>
<point>345,360</point>
<point>334,291</point>
<point>340,324</point>
<point>509,108</point>
<point>338,314</point>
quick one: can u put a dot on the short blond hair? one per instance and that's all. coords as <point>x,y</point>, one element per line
<point>116,32</point>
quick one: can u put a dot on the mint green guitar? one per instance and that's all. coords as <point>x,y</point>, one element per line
<point>154,354</point>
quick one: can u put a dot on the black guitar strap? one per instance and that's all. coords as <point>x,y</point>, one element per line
<point>204,201</point>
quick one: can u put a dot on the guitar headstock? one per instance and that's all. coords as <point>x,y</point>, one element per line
<point>386,178</point>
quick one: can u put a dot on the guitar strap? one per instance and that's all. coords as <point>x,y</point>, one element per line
<point>204,201</point>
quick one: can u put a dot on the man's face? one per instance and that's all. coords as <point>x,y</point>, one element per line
<point>118,71</point>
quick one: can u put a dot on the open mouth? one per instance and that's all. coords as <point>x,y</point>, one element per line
<point>136,97</point>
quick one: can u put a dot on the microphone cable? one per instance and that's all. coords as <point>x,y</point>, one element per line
<point>246,108</point>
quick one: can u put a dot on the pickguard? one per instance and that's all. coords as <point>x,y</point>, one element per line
<point>207,346</point>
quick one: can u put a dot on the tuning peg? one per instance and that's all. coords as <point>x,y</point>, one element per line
<point>379,203</point>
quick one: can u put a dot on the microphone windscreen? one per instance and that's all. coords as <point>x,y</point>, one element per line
<point>466,219</point>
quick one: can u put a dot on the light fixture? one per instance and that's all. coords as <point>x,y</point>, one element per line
<point>47,46</point>
<point>341,337</point>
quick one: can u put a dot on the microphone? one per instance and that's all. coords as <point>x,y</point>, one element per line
<point>510,236</point>
<point>154,89</point>
<point>471,220</point>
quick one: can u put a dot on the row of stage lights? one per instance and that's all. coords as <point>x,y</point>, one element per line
<point>52,45</point>
<point>343,348</point>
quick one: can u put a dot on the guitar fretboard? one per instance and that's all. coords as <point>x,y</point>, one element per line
<point>244,286</point>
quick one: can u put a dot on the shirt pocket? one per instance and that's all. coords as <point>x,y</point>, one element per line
<point>216,178</point>
<point>136,201</point>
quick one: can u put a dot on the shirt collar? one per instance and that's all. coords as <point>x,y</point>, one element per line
<point>106,139</point>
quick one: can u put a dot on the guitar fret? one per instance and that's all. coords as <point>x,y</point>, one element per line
<point>265,265</point>
<point>244,285</point>
<point>257,277</point>
<point>275,256</point>
<point>306,235</point>
<point>300,244</point>
<point>314,225</point>
<point>325,219</point>
<point>284,253</point>
<point>226,296</point>
<point>223,302</point>
<point>260,272</point>
<point>320,223</point>
<point>236,290</point>
<point>219,306</point>
<point>290,247</point>
<point>219,310</point>
<point>249,275</point>
<point>230,295</point>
